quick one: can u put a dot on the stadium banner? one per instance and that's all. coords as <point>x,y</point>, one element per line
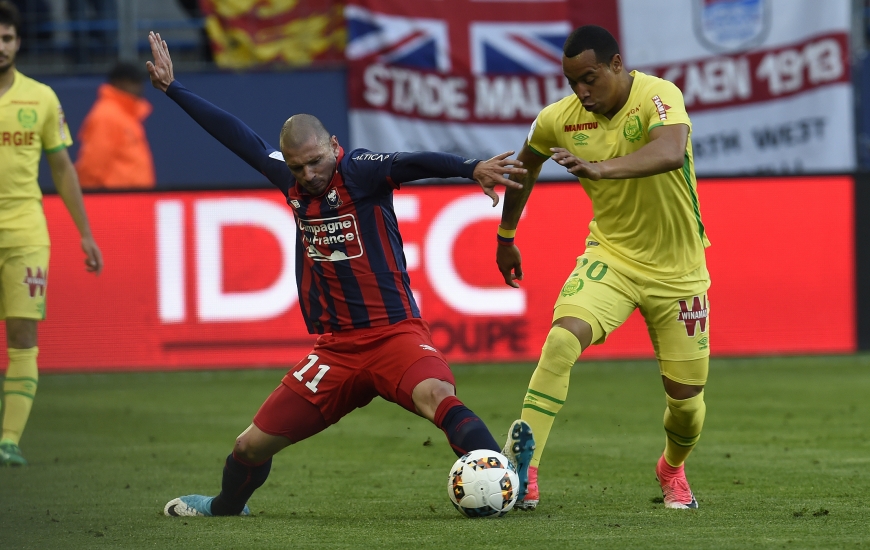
<point>462,76</point>
<point>766,82</point>
<point>207,279</point>
<point>250,33</point>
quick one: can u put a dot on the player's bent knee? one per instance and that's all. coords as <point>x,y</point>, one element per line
<point>429,393</point>
<point>254,446</point>
<point>560,351</point>
<point>684,379</point>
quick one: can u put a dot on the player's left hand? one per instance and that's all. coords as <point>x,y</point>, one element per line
<point>489,173</point>
<point>576,166</point>
<point>93,256</point>
<point>160,71</point>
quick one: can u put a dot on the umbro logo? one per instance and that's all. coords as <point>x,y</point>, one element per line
<point>580,139</point>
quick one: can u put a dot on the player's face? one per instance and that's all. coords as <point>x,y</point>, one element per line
<point>313,163</point>
<point>9,44</point>
<point>595,84</point>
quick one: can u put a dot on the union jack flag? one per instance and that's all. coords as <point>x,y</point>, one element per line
<point>479,36</point>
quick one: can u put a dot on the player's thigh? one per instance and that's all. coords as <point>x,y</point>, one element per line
<point>287,414</point>
<point>677,315</point>
<point>23,282</point>
<point>598,293</point>
<point>332,380</point>
<point>406,358</point>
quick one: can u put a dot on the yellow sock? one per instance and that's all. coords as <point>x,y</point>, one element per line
<point>19,388</point>
<point>683,422</point>
<point>548,387</point>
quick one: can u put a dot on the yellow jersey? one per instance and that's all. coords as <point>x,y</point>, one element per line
<point>31,121</point>
<point>652,224</point>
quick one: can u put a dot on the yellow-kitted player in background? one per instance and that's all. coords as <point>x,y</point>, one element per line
<point>625,135</point>
<point>31,121</point>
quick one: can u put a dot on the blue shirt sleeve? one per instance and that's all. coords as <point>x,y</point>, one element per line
<point>369,171</point>
<point>427,164</point>
<point>235,135</point>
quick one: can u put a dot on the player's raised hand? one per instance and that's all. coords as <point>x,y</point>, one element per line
<point>576,166</point>
<point>489,173</point>
<point>510,263</point>
<point>93,256</point>
<point>160,70</point>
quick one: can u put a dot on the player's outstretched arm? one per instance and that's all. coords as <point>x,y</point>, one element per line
<point>234,134</point>
<point>665,152</point>
<point>428,164</point>
<point>66,181</point>
<point>507,255</point>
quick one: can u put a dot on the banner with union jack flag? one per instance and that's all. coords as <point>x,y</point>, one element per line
<point>766,83</point>
<point>462,76</point>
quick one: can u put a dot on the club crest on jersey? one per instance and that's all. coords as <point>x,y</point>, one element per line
<point>27,118</point>
<point>695,317</point>
<point>333,199</point>
<point>36,281</point>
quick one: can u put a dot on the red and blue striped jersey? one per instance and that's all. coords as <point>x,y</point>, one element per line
<point>350,265</point>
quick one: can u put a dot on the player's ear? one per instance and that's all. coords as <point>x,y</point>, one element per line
<point>333,142</point>
<point>616,63</point>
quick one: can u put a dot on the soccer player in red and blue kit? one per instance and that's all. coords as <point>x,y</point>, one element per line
<point>353,290</point>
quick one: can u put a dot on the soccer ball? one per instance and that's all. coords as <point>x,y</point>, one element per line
<point>483,483</point>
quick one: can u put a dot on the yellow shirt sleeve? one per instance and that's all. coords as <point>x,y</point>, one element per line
<point>541,135</point>
<point>55,132</point>
<point>665,106</point>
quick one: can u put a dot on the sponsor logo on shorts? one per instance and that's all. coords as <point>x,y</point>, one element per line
<point>428,347</point>
<point>661,108</point>
<point>695,317</point>
<point>591,243</point>
<point>36,281</point>
<point>331,239</point>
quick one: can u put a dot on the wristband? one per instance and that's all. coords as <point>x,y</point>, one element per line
<point>506,236</point>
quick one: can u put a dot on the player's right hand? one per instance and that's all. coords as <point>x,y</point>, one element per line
<point>160,71</point>
<point>510,263</point>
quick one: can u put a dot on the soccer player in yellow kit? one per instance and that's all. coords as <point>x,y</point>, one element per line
<point>625,136</point>
<point>31,121</point>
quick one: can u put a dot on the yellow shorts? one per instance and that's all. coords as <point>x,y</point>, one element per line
<point>23,282</point>
<point>676,311</point>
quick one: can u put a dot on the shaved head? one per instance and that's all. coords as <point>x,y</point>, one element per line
<point>310,152</point>
<point>299,129</point>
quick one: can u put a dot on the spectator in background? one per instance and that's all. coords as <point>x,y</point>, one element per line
<point>35,24</point>
<point>114,152</point>
<point>95,27</point>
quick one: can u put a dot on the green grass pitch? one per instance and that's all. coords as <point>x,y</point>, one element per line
<point>784,462</point>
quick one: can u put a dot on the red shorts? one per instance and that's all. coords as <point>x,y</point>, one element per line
<point>346,370</point>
